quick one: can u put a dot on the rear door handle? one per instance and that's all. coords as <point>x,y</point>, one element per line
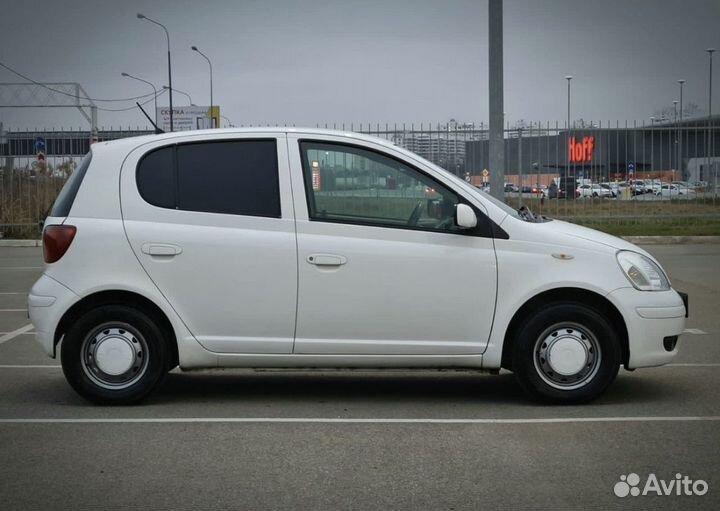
<point>326,259</point>
<point>161,249</point>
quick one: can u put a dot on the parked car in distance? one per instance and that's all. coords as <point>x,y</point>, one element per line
<point>554,191</point>
<point>638,187</point>
<point>593,191</point>
<point>684,187</point>
<point>509,187</point>
<point>612,187</point>
<point>670,190</point>
<point>264,247</point>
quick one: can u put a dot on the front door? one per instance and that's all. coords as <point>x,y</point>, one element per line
<point>382,267</point>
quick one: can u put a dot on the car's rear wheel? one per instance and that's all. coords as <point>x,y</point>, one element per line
<point>114,354</point>
<point>566,352</point>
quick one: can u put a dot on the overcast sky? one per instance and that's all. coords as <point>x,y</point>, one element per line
<point>318,61</point>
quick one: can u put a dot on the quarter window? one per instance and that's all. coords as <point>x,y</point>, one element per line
<point>354,185</point>
<point>231,177</point>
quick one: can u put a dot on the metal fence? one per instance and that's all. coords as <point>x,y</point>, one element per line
<point>651,170</point>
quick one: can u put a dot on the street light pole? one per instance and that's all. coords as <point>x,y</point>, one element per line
<point>680,132</point>
<point>675,121</point>
<point>652,144</point>
<point>128,75</point>
<point>167,34</point>
<point>195,48</point>
<point>181,92</point>
<point>709,144</point>
<point>568,78</point>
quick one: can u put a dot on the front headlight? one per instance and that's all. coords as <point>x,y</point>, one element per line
<point>642,271</point>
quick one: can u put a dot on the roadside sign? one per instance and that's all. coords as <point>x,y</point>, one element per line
<point>631,168</point>
<point>40,145</point>
<point>485,173</point>
<point>186,118</point>
<point>40,149</point>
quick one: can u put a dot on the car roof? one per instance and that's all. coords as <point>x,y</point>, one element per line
<point>131,142</point>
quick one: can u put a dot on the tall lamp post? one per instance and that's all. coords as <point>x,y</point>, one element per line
<point>181,92</point>
<point>128,75</point>
<point>195,48</point>
<point>652,143</point>
<point>708,147</point>
<point>167,34</point>
<point>680,132</point>
<point>568,78</point>
<point>675,121</point>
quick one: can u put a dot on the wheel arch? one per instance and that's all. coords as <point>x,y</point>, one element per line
<point>565,295</point>
<point>120,297</point>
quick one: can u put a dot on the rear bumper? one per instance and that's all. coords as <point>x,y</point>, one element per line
<point>47,302</point>
<point>650,318</point>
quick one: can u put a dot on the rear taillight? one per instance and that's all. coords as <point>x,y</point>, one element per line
<point>56,241</point>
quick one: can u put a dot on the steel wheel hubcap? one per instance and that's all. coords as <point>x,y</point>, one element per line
<point>114,356</point>
<point>567,356</point>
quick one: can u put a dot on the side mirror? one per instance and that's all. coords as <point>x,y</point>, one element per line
<point>465,216</point>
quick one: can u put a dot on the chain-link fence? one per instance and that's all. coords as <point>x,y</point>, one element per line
<point>594,173</point>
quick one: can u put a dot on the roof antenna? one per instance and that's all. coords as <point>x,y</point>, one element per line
<point>157,130</point>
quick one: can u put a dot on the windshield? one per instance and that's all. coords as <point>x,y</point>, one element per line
<point>500,204</point>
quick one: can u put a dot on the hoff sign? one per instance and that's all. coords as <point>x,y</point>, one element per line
<point>581,151</point>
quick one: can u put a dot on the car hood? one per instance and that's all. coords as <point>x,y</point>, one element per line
<point>567,234</point>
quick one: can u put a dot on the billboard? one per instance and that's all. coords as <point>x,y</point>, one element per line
<point>187,118</point>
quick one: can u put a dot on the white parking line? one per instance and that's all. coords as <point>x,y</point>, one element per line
<point>337,420</point>
<point>15,333</point>
<point>694,331</point>
<point>13,293</point>
<point>21,268</point>
<point>13,310</point>
<point>24,333</point>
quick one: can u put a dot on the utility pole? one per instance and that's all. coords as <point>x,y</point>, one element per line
<point>497,121</point>
<point>681,133</point>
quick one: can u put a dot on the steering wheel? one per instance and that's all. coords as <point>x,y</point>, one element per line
<point>416,213</point>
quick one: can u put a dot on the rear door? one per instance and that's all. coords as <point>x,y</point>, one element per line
<point>211,221</point>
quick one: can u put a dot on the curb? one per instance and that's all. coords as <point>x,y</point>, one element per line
<point>20,243</point>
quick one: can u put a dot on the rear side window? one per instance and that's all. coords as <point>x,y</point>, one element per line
<point>66,197</point>
<point>230,177</point>
<point>156,177</point>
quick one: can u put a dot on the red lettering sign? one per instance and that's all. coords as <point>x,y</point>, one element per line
<point>581,152</point>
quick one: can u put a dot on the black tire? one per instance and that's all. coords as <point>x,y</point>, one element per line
<point>573,324</point>
<point>143,348</point>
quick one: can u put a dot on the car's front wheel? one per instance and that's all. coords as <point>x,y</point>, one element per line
<point>114,354</point>
<point>566,352</point>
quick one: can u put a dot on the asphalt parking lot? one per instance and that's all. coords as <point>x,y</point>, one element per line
<point>358,440</point>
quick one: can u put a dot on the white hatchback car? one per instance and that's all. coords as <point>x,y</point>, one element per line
<point>312,248</point>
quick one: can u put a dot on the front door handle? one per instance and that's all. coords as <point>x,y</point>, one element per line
<point>326,259</point>
<point>161,249</point>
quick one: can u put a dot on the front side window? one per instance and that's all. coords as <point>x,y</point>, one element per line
<point>238,177</point>
<point>354,185</point>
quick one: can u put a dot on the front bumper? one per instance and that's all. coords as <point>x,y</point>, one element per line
<point>650,318</point>
<point>47,302</point>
